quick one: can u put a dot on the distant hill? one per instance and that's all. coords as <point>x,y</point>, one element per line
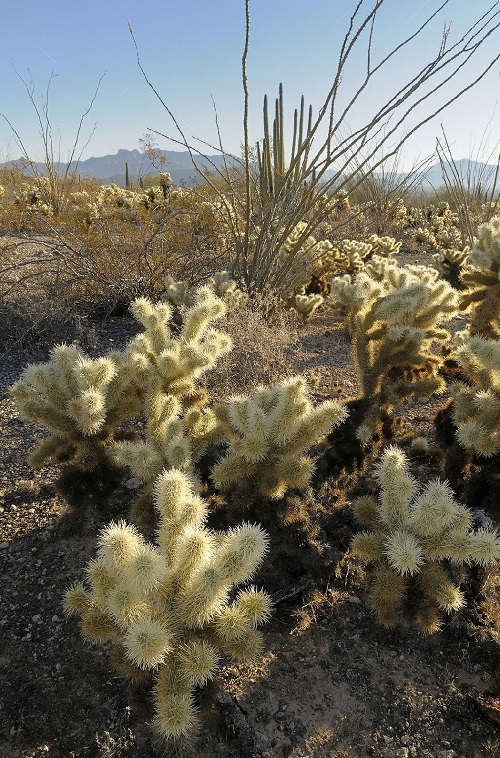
<point>111,168</point>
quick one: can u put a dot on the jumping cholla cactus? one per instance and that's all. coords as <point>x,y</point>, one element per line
<point>174,439</point>
<point>178,293</point>
<point>450,263</point>
<point>172,364</point>
<point>476,406</point>
<point>481,280</point>
<point>394,323</point>
<point>410,534</point>
<point>81,401</point>
<point>306,305</point>
<point>353,254</point>
<point>166,608</point>
<point>300,258</point>
<point>268,433</point>
<point>383,246</point>
<point>181,293</point>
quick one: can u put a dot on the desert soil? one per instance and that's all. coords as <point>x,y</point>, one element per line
<point>330,681</point>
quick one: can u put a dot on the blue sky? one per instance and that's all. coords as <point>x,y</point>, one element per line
<point>192,49</point>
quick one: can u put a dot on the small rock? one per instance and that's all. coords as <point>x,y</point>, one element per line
<point>353,599</point>
<point>36,618</point>
<point>4,545</point>
<point>405,739</point>
<point>279,716</point>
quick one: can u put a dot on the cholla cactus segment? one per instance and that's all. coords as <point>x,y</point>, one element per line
<point>268,433</point>
<point>172,364</point>
<point>79,400</point>
<point>182,294</point>
<point>355,253</point>
<point>481,281</point>
<point>178,293</point>
<point>166,608</point>
<point>410,534</point>
<point>476,405</point>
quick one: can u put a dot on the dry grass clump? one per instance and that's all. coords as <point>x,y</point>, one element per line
<point>262,351</point>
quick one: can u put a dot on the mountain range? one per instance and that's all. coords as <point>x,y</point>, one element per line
<point>111,168</point>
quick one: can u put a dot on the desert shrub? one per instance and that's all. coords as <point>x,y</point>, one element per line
<point>168,610</point>
<point>413,541</point>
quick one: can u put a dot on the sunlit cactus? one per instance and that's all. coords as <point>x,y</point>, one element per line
<point>481,280</point>
<point>167,609</point>
<point>269,433</point>
<point>476,405</point>
<point>174,438</point>
<point>306,305</point>
<point>79,400</point>
<point>179,293</point>
<point>411,536</point>
<point>174,363</point>
<point>450,263</point>
<point>354,254</point>
<point>383,246</point>
<point>227,289</point>
<point>395,316</point>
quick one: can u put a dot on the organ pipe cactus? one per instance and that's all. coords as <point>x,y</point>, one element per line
<point>167,609</point>
<point>410,538</point>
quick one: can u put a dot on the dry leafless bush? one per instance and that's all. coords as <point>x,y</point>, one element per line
<point>261,354</point>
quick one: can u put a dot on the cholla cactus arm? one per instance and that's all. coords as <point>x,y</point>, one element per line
<point>268,434</point>
<point>165,608</point>
<point>411,534</point>
<point>306,305</point>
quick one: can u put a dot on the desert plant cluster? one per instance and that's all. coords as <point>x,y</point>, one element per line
<point>229,487</point>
